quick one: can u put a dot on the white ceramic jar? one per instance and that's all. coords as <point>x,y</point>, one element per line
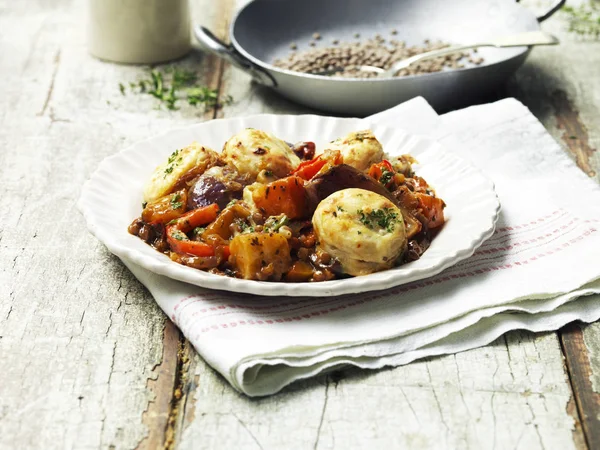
<point>139,31</point>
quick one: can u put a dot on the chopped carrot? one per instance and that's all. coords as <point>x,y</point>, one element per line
<point>180,243</point>
<point>432,208</point>
<point>226,252</point>
<point>197,217</point>
<point>285,196</point>
<point>177,229</point>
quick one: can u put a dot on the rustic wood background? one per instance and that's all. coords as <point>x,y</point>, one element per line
<point>87,359</point>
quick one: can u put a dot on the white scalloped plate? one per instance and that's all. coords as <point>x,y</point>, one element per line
<point>112,198</point>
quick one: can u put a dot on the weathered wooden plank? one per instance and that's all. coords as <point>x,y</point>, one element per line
<point>158,412</point>
<point>560,85</point>
<point>582,351</point>
<point>88,360</point>
<point>510,394</point>
<point>74,323</point>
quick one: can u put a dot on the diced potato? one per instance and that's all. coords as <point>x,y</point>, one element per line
<point>261,256</point>
<point>221,225</point>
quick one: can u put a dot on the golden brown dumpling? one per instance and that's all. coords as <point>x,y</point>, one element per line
<point>360,149</point>
<point>179,162</point>
<point>251,151</point>
<point>363,230</point>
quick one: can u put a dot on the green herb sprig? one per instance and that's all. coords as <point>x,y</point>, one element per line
<point>245,227</point>
<point>171,84</point>
<point>584,19</point>
<point>274,223</point>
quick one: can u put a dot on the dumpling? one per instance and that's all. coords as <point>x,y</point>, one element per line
<point>363,230</point>
<point>180,162</point>
<point>360,149</point>
<point>251,151</point>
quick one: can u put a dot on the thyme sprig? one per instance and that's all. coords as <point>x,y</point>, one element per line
<point>584,19</point>
<point>171,84</point>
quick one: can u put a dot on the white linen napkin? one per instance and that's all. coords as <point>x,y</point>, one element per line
<point>544,255</point>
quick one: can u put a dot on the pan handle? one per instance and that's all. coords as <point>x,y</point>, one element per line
<point>227,52</point>
<point>551,11</point>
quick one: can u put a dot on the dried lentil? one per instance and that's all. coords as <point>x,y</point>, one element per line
<point>346,58</point>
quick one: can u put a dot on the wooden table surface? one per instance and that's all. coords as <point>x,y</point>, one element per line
<point>88,360</point>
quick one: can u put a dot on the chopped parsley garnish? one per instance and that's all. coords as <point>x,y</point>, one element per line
<point>231,203</point>
<point>199,230</point>
<point>386,176</point>
<point>339,208</point>
<point>244,226</point>
<point>179,235</point>
<point>384,218</point>
<point>175,202</point>
<point>173,156</point>
<point>173,161</point>
<point>274,223</point>
<point>144,204</point>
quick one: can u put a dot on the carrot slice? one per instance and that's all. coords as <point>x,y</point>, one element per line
<point>180,243</point>
<point>197,217</point>
<point>285,196</point>
<point>432,208</point>
<point>177,229</point>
